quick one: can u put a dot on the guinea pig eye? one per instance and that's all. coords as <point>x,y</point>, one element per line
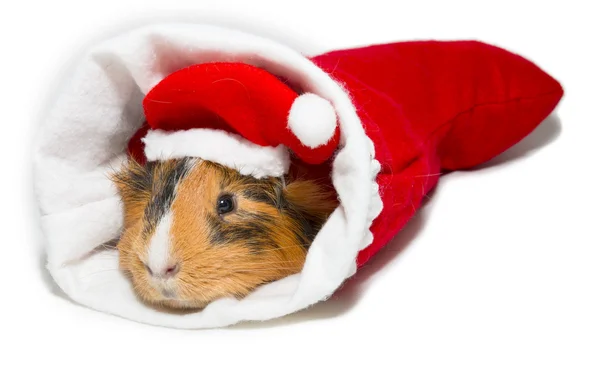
<point>225,204</point>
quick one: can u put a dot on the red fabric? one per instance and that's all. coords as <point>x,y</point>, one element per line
<point>234,97</point>
<point>429,107</point>
<point>432,107</point>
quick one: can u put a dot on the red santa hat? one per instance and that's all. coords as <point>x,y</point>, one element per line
<point>237,115</point>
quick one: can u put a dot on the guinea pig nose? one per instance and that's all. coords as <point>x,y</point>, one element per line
<point>171,270</point>
<point>167,272</point>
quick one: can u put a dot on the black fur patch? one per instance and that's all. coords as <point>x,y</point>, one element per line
<point>309,226</point>
<point>140,178</point>
<point>164,180</point>
<point>252,229</point>
<point>259,194</point>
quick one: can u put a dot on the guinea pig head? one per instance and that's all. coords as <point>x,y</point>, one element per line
<point>195,231</point>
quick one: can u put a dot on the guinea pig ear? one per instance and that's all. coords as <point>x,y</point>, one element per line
<point>133,182</point>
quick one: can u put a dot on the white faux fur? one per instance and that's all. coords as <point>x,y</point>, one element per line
<point>312,119</point>
<point>230,150</point>
<point>84,137</point>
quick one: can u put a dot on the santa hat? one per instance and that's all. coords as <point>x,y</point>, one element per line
<point>237,115</point>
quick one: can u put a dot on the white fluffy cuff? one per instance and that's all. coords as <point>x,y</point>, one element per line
<point>227,149</point>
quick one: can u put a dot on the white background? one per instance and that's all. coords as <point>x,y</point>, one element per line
<point>500,270</point>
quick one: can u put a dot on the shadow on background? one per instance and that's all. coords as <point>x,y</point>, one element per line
<point>544,134</point>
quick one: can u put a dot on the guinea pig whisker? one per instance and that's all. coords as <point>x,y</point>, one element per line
<point>263,269</point>
<point>101,256</point>
<point>275,249</point>
<point>281,262</point>
<point>191,256</point>
<point>269,265</point>
<point>99,285</point>
<point>98,272</point>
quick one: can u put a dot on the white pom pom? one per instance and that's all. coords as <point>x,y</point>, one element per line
<point>312,119</point>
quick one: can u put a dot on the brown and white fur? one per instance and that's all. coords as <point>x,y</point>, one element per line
<point>181,251</point>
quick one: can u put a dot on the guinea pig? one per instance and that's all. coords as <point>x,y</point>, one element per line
<point>195,231</point>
